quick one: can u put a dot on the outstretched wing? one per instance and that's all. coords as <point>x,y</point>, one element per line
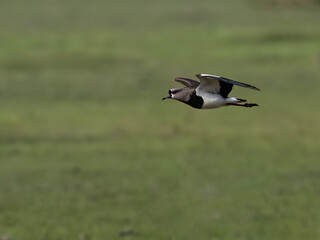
<point>219,84</point>
<point>187,82</point>
<point>212,84</point>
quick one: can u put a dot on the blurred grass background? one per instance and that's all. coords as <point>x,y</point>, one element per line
<point>89,151</point>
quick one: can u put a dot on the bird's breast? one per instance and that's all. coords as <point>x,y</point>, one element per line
<point>195,101</point>
<point>212,100</point>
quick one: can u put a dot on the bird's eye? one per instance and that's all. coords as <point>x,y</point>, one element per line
<point>174,91</point>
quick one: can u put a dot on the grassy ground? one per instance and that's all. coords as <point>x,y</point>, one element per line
<point>89,151</point>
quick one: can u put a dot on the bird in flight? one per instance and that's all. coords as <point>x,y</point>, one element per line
<point>211,92</point>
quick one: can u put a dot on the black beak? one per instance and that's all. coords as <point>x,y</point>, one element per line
<point>166,97</point>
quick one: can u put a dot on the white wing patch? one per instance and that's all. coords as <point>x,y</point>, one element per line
<point>208,83</point>
<point>207,75</point>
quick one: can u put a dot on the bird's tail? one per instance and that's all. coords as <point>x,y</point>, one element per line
<point>235,100</point>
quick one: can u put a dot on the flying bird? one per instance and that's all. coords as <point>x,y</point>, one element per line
<point>211,92</point>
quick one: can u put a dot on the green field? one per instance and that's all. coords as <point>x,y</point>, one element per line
<point>89,151</point>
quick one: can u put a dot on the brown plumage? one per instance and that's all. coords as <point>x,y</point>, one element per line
<point>211,92</point>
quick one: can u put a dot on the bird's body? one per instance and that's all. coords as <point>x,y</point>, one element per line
<point>211,92</point>
<point>211,100</point>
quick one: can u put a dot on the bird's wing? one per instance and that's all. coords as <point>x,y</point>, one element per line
<point>187,82</point>
<point>219,84</point>
<point>226,80</point>
<point>209,83</point>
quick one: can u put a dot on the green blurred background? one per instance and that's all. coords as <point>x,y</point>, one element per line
<point>89,151</point>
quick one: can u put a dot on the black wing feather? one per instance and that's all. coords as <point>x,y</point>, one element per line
<point>226,80</point>
<point>225,88</point>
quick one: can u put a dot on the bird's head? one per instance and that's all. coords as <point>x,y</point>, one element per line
<point>177,94</point>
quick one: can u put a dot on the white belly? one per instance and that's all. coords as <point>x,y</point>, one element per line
<point>211,100</point>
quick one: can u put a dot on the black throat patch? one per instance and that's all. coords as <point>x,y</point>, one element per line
<point>195,101</point>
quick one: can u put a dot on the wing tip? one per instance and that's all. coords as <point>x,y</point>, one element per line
<point>177,79</point>
<point>242,84</point>
<point>199,75</point>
